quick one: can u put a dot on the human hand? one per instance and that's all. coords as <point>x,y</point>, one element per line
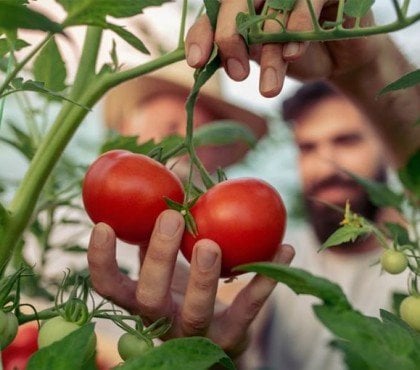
<point>187,298</point>
<point>298,60</point>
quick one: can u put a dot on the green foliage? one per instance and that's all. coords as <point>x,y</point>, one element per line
<point>410,174</point>
<point>212,10</point>
<point>69,353</point>
<point>408,80</point>
<point>345,234</point>
<point>7,45</point>
<point>49,67</point>
<point>14,14</point>
<point>283,5</point>
<point>193,353</point>
<point>357,8</point>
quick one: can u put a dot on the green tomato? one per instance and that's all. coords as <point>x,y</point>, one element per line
<point>8,328</point>
<point>410,311</point>
<point>130,346</point>
<point>56,329</point>
<point>394,262</point>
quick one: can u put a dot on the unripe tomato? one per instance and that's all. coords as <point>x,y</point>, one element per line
<point>130,346</point>
<point>8,328</point>
<point>246,217</point>
<point>394,262</point>
<point>410,311</point>
<point>127,191</point>
<point>56,329</point>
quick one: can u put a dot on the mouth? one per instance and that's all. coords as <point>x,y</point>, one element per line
<point>336,194</point>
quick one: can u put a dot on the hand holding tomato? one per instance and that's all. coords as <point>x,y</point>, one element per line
<point>167,289</point>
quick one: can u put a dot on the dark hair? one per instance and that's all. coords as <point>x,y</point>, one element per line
<point>306,97</point>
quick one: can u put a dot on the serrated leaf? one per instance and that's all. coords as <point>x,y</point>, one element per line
<point>301,282</point>
<point>128,37</point>
<point>283,5</point>
<point>408,80</point>
<point>223,132</point>
<point>344,234</point>
<point>193,353</point>
<point>49,67</point>
<point>14,15</point>
<point>357,8</point>
<point>67,354</point>
<point>17,45</point>
<point>87,11</point>
<point>410,174</point>
<point>212,10</point>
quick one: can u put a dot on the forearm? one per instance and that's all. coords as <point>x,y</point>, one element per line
<point>394,114</point>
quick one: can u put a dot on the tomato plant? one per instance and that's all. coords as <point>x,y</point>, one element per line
<point>127,191</point>
<point>8,328</point>
<point>246,217</point>
<point>394,262</point>
<point>131,346</point>
<point>410,311</point>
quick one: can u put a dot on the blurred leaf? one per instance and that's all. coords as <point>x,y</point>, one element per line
<point>223,132</point>
<point>129,143</point>
<point>67,354</point>
<point>17,45</point>
<point>357,8</point>
<point>192,353</point>
<point>380,194</point>
<point>75,249</point>
<point>212,10</point>
<point>13,15</point>
<point>20,141</point>
<point>301,282</point>
<point>344,234</point>
<point>283,5</point>
<point>398,233</point>
<point>49,67</point>
<point>37,86</point>
<point>128,37</point>
<point>408,80</point>
<point>410,174</point>
<point>397,298</point>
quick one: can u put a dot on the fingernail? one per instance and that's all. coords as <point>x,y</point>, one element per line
<point>194,55</point>
<point>168,224</point>
<point>205,257</point>
<point>100,235</point>
<point>291,49</point>
<point>235,69</point>
<point>269,80</point>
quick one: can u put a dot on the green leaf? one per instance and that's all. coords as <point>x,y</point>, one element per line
<point>380,194</point>
<point>223,132</point>
<point>67,354</point>
<point>87,11</point>
<point>14,15</point>
<point>380,344</point>
<point>283,5</point>
<point>127,36</point>
<point>398,233</point>
<point>212,10</point>
<point>344,234</point>
<point>17,45</point>
<point>410,174</point>
<point>49,67</point>
<point>193,353</point>
<point>409,80</point>
<point>301,282</point>
<point>357,8</point>
<point>21,141</point>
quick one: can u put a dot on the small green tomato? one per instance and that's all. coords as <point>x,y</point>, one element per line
<point>8,328</point>
<point>394,262</point>
<point>130,346</point>
<point>410,311</point>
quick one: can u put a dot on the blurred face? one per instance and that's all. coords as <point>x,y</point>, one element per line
<point>330,136</point>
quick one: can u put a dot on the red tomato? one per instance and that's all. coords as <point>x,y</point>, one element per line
<point>127,191</point>
<point>17,354</point>
<point>246,217</point>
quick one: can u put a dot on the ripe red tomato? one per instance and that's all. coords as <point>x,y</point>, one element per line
<point>246,217</point>
<point>126,191</point>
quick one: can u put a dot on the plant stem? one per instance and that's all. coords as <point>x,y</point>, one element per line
<point>330,34</point>
<point>182,26</point>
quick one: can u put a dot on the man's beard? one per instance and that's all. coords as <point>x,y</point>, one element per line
<point>325,219</point>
